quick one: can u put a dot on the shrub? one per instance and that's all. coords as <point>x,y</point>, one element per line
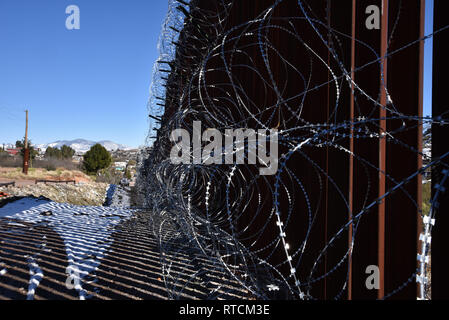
<point>128,174</point>
<point>10,162</point>
<point>109,175</point>
<point>3,153</point>
<point>96,158</point>
<point>51,164</point>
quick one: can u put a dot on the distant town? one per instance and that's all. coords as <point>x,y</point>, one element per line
<point>80,146</point>
<point>66,161</point>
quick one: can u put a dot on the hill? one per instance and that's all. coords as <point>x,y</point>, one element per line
<point>82,145</point>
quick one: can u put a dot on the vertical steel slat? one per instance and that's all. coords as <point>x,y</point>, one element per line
<point>440,146</point>
<point>382,145</point>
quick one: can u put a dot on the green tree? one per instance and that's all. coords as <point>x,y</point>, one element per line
<point>96,158</point>
<point>64,153</point>
<point>54,153</point>
<point>21,144</point>
<point>67,152</point>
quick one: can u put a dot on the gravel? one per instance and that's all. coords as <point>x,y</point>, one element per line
<point>91,194</point>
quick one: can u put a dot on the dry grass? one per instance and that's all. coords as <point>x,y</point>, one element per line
<point>43,174</point>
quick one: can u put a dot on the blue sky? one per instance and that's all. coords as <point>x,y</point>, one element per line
<point>428,60</point>
<point>91,83</point>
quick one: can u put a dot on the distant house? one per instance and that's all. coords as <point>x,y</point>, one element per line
<point>77,158</point>
<point>120,166</point>
<point>13,151</point>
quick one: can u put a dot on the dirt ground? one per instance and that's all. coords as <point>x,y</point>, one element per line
<point>84,192</point>
<point>19,183</point>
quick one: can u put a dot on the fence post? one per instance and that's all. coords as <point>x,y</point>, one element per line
<point>386,236</point>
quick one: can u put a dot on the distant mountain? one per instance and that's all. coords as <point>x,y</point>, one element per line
<point>82,145</point>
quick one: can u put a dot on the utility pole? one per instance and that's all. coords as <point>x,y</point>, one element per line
<point>26,153</point>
